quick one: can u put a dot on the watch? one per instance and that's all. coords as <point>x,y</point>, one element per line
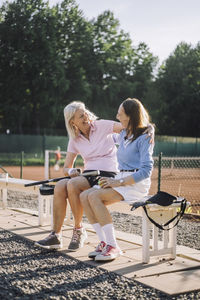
<point>121,181</point>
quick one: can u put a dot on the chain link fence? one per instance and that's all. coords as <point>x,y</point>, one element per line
<point>179,176</point>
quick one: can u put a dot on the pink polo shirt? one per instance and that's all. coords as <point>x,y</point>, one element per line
<point>99,152</point>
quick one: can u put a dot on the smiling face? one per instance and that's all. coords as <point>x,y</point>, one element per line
<point>81,120</point>
<point>122,117</point>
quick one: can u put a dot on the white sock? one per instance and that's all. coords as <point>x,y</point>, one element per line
<point>110,235</point>
<point>97,227</point>
<point>59,235</point>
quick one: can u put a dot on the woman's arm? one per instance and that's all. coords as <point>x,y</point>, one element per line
<point>106,182</point>
<point>68,165</point>
<point>117,127</point>
<point>150,131</point>
<point>146,165</point>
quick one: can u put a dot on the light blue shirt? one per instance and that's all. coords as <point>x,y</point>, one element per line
<point>135,155</point>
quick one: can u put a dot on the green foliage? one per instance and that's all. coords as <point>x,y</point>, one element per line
<point>14,161</point>
<point>51,56</point>
<point>119,67</point>
<point>178,88</point>
<point>31,70</point>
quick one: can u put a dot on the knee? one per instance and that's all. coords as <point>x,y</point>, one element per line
<point>73,186</point>
<point>61,188</point>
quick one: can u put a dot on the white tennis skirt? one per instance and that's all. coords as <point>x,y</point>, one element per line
<point>133,192</point>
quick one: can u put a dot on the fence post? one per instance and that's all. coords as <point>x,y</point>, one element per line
<point>159,170</point>
<point>196,147</point>
<point>43,144</point>
<point>22,163</point>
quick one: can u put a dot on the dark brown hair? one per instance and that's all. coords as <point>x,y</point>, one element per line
<point>139,117</point>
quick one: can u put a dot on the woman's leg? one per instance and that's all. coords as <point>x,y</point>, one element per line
<point>90,215</point>
<point>87,207</point>
<point>59,205</point>
<point>61,194</point>
<point>54,240</point>
<point>98,200</point>
<point>70,189</point>
<point>96,226</point>
<point>74,187</point>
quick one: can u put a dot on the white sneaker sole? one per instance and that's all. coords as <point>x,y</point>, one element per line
<point>107,258</point>
<point>49,247</point>
<point>93,254</point>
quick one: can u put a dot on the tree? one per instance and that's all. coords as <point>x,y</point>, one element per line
<point>121,70</point>
<point>51,56</point>
<point>31,70</point>
<point>178,85</point>
<point>77,45</point>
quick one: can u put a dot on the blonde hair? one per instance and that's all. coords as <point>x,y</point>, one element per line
<point>69,112</point>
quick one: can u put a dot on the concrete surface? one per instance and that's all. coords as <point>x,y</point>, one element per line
<point>169,276</point>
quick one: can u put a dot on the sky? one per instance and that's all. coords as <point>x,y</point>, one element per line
<point>161,24</point>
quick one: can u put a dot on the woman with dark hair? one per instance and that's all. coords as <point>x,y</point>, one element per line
<point>135,163</point>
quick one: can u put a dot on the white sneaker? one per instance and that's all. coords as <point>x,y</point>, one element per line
<point>78,238</point>
<point>98,250</point>
<point>109,253</point>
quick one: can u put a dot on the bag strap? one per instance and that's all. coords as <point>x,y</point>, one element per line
<point>178,216</point>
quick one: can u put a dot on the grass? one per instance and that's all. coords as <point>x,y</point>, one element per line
<point>33,161</point>
<point>26,162</point>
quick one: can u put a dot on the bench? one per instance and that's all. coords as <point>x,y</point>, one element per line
<point>161,214</point>
<point>45,203</point>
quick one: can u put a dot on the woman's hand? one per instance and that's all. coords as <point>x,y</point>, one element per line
<point>150,131</point>
<point>74,172</point>
<point>107,182</point>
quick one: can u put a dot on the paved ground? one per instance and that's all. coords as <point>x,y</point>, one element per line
<point>169,276</point>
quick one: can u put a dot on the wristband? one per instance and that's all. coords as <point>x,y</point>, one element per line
<point>70,171</point>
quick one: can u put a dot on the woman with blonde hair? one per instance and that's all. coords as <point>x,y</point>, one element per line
<point>135,163</point>
<point>93,140</point>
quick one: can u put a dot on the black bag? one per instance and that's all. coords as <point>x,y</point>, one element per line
<point>47,189</point>
<point>163,199</point>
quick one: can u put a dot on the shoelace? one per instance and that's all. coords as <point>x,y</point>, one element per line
<point>107,249</point>
<point>100,247</point>
<point>76,235</point>
<point>49,236</point>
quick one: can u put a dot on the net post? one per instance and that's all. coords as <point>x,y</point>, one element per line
<point>46,165</point>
